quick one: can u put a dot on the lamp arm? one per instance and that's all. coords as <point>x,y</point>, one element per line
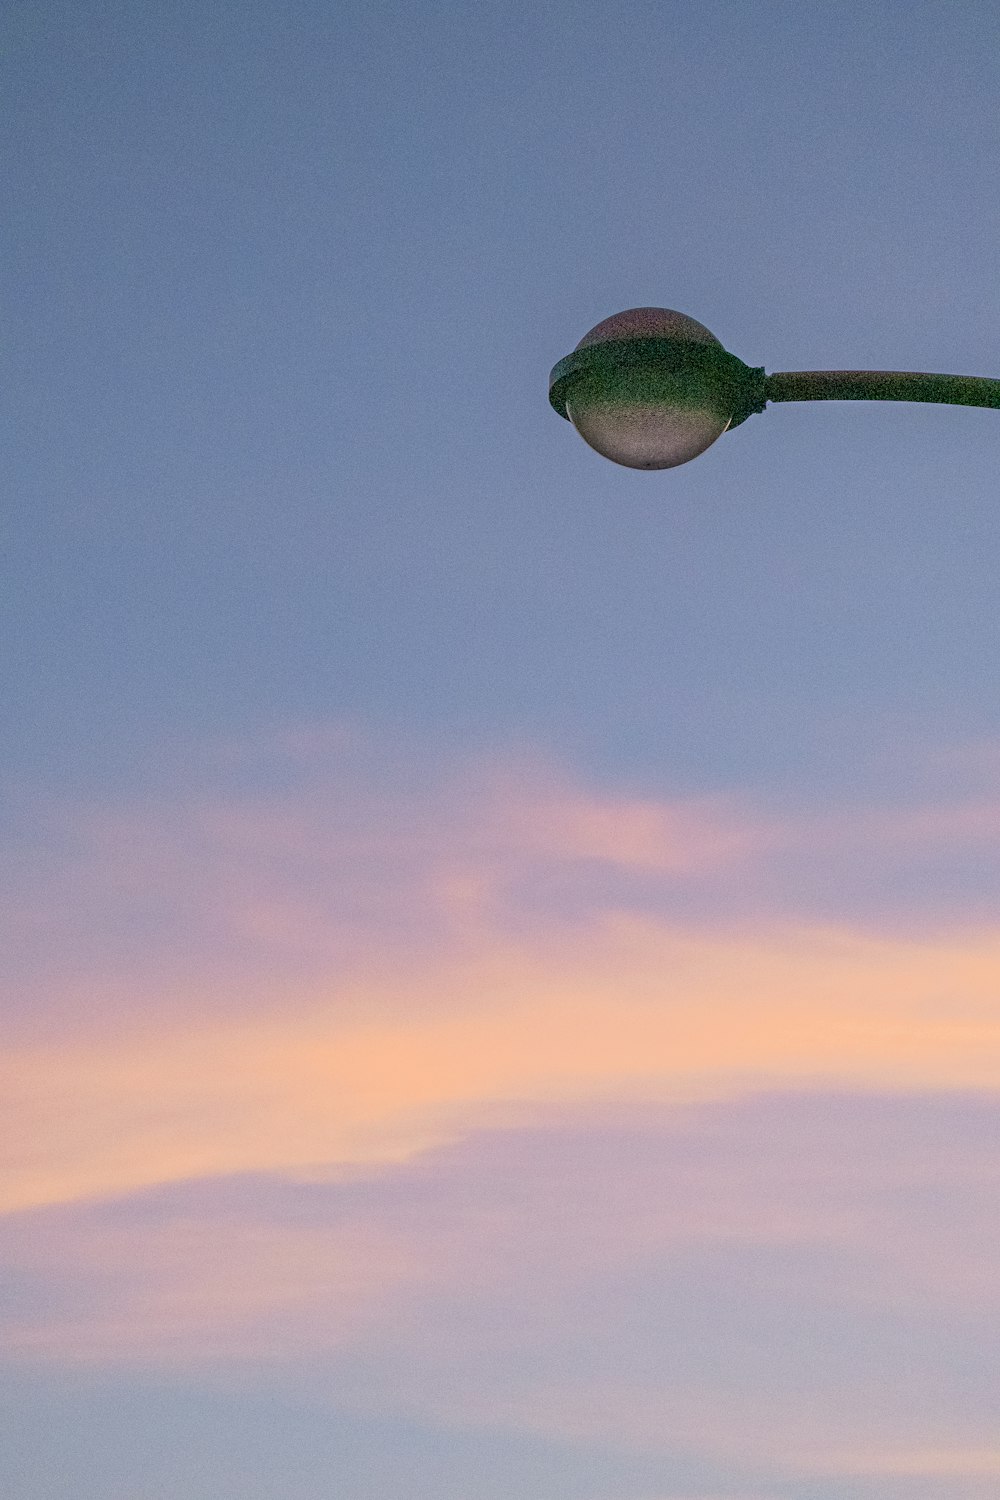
<point>881,385</point>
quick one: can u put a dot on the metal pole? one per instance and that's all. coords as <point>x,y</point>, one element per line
<point>881,385</point>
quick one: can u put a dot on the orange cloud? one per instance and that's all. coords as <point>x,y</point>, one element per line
<point>633,1009</point>
<point>365,963</point>
<point>736,1278</point>
<point>899,1463</point>
<point>197,1285</point>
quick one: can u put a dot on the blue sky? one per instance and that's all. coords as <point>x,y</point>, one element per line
<point>388,776</point>
<point>288,287</point>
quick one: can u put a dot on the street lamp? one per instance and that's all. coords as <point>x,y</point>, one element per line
<point>651,389</point>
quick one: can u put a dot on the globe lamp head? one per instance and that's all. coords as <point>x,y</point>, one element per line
<point>650,388</point>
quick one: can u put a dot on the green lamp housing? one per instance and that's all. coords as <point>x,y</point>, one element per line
<point>651,388</point>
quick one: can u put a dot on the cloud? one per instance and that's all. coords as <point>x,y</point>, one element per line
<point>913,1463</point>
<point>344,854</point>
<point>318,852</point>
<point>326,952</point>
<point>382,1069</point>
<point>787,1285</point>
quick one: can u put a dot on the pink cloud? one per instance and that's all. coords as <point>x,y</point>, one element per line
<point>368,956</point>
<point>347,855</point>
<point>211,888</point>
<point>389,1062</point>
<point>804,1282</point>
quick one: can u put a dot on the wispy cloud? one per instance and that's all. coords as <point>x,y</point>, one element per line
<point>909,1463</point>
<point>326,847</point>
<point>369,955</point>
<point>496,1100</point>
<point>797,1284</point>
<point>637,1010</point>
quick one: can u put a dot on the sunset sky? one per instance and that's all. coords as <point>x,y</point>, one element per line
<point>501,952</point>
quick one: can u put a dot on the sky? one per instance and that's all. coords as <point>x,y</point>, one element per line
<point>500,952</point>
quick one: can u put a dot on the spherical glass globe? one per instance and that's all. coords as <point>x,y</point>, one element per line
<point>646,418</point>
